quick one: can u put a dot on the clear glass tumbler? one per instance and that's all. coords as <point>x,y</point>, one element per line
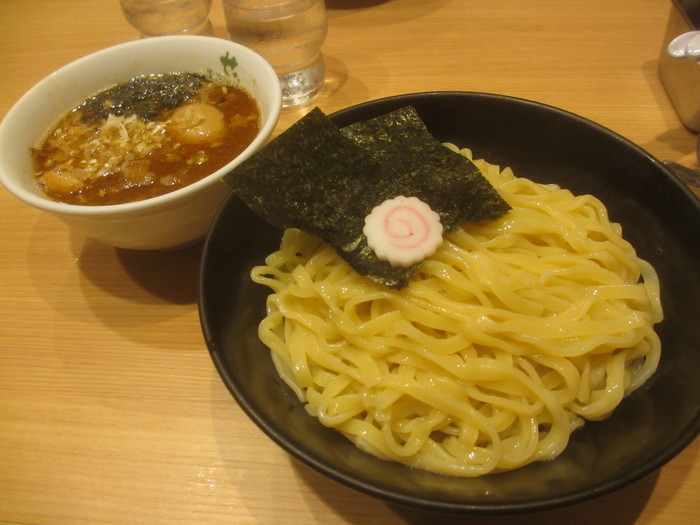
<point>289,35</point>
<point>168,17</point>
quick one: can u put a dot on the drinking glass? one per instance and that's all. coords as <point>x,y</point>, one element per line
<point>168,17</point>
<point>289,35</point>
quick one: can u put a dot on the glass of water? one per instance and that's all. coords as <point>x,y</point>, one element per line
<point>289,35</point>
<point>168,17</point>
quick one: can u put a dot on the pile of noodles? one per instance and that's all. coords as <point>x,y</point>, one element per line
<point>503,343</point>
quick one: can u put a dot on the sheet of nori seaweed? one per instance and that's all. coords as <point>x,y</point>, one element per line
<point>324,180</point>
<point>305,177</point>
<point>423,167</point>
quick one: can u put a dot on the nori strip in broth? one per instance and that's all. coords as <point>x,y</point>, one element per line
<point>145,96</point>
<point>324,180</point>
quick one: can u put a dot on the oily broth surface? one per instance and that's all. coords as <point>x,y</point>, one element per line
<point>126,158</point>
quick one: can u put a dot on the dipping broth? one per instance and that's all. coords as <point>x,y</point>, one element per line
<point>143,138</point>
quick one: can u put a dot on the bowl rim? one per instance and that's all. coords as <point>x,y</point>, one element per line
<point>631,475</point>
<point>61,208</point>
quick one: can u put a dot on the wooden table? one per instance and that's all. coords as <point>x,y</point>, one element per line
<point>110,408</point>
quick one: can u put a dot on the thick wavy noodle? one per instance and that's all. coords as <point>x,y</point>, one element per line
<point>503,343</point>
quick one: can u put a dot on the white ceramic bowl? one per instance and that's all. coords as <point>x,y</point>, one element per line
<point>165,222</point>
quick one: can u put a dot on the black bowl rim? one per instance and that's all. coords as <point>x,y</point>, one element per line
<point>683,440</point>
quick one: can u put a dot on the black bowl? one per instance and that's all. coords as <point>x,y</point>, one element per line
<point>659,215</point>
